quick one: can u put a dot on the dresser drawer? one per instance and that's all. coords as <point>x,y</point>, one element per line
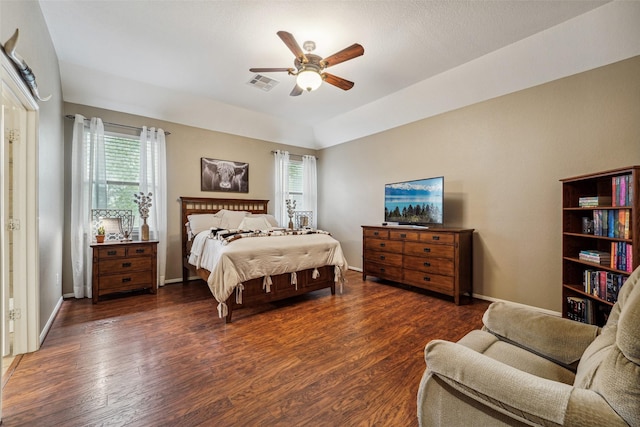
<point>433,282</point>
<point>429,250</point>
<point>403,235</point>
<point>442,266</point>
<point>442,238</point>
<point>124,265</point>
<point>125,282</point>
<point>386,258</point>
<point>383,271</point>
<point>382,234</point>
<point>383,245</point>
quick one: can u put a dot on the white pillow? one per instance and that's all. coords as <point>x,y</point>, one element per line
<point>202,222</point>
<point>272,219</point>
<point>232,219</point>
<point>254,223</point>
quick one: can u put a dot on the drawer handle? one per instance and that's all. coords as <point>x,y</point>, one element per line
<point>403,235</point>
<point>436,237</point>
<point>111,252</point>
<point>375,233</point>
<point>426,278</point>
<point>427,249</point>
<point>427,264</point>
<point>126,279</point>
<point>382,270</point>
<point>382,257</point>
<point>126,264</point>
<point>382,245</point>
<point>139,251</point>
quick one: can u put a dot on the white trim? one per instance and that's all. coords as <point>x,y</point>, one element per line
<point>54,313</point>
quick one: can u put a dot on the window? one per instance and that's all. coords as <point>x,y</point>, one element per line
<point>122,174</point>
<point>296,191</point>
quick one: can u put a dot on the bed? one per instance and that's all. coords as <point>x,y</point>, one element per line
<point>245,269</point>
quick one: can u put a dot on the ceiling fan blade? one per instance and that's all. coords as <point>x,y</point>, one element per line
<point>293,45</point>
<point>297,91</point>
<point>345,54</point>
<point>270,70</point>
<point>337,81</point>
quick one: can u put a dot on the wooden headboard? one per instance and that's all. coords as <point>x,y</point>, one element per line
<point>204,205</point>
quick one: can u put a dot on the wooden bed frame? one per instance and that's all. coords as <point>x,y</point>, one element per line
<point>253,293</point>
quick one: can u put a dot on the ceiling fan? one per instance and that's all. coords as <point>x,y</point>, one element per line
<point>309,68</point>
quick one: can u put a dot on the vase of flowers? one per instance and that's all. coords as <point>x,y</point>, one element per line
<point>144,203</point>
<point>291,208</point>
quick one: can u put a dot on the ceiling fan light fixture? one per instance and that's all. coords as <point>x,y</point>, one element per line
<point>309,79</point>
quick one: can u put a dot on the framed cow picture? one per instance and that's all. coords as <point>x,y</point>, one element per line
<point>224,175</point>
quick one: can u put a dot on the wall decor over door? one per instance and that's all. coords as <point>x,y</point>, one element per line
<point>224,175</point>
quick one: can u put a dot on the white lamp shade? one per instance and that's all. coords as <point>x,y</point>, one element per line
<point>308,80</point>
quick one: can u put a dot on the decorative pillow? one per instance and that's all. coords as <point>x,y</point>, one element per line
<point>231,219</point>
<point>254,223</point>
<point>202,222</point>
<point>272,219</point>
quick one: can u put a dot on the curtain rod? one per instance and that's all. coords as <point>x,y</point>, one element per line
<point>292,154</point>
<point>70,117</point>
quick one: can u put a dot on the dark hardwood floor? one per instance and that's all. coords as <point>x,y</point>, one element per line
<point>353,359</point>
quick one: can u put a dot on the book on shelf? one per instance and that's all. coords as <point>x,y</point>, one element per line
<point>603,284</point>
<point>622,190</point>
<point>622,256</point>
<point>594,201</point>
<point>579,309</point>
<point>598,257</point>
<point>612,223</point>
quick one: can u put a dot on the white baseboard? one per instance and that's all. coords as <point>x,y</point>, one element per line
<point>47,326</point>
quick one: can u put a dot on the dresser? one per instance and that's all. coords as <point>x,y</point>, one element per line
<point>124,266</point>
<point>438,259</point>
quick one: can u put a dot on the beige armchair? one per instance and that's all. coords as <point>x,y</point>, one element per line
<point>529,368</point>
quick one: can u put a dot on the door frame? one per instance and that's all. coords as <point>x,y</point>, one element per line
<point>26,266</point>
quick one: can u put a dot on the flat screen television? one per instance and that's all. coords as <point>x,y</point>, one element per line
<point>417,202</point>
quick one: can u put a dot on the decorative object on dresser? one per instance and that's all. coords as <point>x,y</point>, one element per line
<point>438,260</point>
<point>303,219</point>
<point>264,264</point>
<point>123,267</point>
<point>144,203</point>
<point>600,240</point>
<point>291,209</point>
<point>100,234</point>
<point>112,220</point>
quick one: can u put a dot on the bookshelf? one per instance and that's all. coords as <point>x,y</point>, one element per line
<point>600,240</point>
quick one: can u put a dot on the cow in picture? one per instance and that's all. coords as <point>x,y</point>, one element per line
<point>224,175</point>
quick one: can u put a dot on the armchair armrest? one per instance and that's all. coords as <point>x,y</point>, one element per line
<point>561,340</point>
<point>516,393</point>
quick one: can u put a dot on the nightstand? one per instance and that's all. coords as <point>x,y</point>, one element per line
<point>124,266</point>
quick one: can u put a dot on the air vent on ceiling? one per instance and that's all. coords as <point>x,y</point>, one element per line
<point>263,82</point>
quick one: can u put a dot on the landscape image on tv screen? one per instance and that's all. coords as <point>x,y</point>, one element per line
<point>415,202</point>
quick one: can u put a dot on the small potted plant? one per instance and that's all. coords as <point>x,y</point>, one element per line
<point>100,234</point>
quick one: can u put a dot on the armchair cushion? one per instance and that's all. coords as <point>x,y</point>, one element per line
<point>561,340</point>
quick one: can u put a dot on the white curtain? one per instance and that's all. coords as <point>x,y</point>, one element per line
<point>153,179</point>
<point>281,168</point>
<point>88,191</point>
<point>310,188</point>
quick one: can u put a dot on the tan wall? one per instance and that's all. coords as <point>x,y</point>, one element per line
<point>36,47</point>
<point>502,160</point>
<point>185,146</point>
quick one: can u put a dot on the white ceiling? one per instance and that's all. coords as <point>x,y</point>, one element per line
<point>188,61</point>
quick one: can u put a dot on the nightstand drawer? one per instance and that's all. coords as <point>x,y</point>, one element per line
<point>125,282</point>
<point>109,251</point>
<point>124,265</point>
<point>138,250</point>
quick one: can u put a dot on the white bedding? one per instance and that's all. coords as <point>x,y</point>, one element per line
<point>249,258</point>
